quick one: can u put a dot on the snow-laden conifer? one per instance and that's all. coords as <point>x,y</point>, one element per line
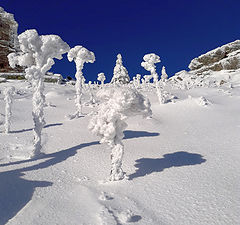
<point>137,81</point>
<point>101,77</point>
<point>164,75</point>
<point>109,121</point>
<point>80,55</point>
<point>120,73</point>
<point>8,97</point>
<point>37,54</point>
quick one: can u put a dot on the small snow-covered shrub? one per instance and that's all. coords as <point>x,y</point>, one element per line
<point>8,97</point>
<point>202,101</point>
<point>37,54</point>
<point>164,96</point>
<point>109,121</point>
<point>80,55</point>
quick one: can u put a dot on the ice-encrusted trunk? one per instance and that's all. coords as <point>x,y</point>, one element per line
<point>8,97</point>
<point>159,94</point>
<point>116,162</point>
<point>117,148</point>
<point>38,103</point>
<point>79,87</point>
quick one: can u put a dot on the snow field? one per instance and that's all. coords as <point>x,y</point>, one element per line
<point>182,164</point>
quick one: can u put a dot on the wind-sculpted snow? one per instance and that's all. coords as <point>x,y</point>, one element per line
<point>109,121</point>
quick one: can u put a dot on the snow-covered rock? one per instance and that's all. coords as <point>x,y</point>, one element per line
<point>226,57</point>
<point>8,40</point>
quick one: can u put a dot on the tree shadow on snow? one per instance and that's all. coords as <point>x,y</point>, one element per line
<point>29,129</point>
<point>128,134</point>
<point>146,166</point>
<point>16,192</point>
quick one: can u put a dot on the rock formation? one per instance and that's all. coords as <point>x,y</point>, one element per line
<point>226,57</point>
<point>8,40</point>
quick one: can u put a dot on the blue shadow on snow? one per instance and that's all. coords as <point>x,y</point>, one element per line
<point>128,134</point>
<point>16,192</point>
<point>29,129</point>
<point>146,166</point>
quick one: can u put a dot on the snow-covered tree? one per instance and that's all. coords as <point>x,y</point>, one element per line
<point>92,100</point>
<point>80,55</point>
<point>101,78</point>
<point>37,54</point>
<point>109,121</point>
<point>164,75</point>
<point>8,97</point>
<point>120,73</point>
<point>149,64</point>
<point>137,81</point>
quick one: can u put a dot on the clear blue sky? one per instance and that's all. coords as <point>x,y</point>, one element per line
<point>176,30</point>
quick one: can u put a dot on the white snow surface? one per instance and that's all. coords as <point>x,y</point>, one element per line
<point>182,164</point>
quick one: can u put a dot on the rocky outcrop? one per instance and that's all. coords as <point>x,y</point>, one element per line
<point>226,57</point>
<point>8,40</point>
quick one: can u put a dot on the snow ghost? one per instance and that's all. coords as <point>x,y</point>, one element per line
<point>101,78</point>
<point>109,121</point>
<point>37,54</point>
<point>164,75</point>
<point>120,73</point>
<point>80,55</point>
<point>149,64</point>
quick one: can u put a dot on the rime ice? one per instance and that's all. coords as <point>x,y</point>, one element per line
<point>109,121</point>
<point>37,54</point>
<point>80,55</point>
<point>120,73</point>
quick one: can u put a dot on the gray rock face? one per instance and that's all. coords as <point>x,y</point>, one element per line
<point>8,40</point>
<point>226,57</point>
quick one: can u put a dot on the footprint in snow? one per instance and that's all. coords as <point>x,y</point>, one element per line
<point>104,196</point>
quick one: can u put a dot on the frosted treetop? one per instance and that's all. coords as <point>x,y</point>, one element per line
<point>81,53</point>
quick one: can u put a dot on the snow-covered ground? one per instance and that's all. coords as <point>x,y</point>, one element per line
<point>182,164</point>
